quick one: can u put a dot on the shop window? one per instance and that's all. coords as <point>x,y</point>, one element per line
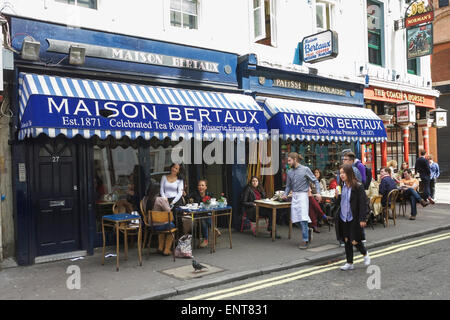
<point>116,177</point>
<point>91,4</point>
<point>375,26</point>
<point>413,66</point>
<point>264,22</point>
<point>325,156</point>
<point>184,13</point>
<point>324,12</point>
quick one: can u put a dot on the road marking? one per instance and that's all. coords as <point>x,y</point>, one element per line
<point>261,284</point>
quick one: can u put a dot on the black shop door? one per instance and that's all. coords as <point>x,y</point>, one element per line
<point>56,196</point>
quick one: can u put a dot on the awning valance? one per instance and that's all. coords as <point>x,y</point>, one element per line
<point>58,105</point>
<point>302,120</point>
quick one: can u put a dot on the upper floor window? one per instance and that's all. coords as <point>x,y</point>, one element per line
<point>91,4</point>
<point>264,22</point>
<point>184,13</point>
<point>375,33</point>
<point>413,66</point>
<point>324,14</point>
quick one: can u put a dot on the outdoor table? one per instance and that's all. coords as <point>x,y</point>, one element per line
<point>274,205</point>
<point>199,214</point>
<point>114,221</point>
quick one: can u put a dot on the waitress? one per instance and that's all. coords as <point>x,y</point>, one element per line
<point>172,186</point>
<point>298,179</point>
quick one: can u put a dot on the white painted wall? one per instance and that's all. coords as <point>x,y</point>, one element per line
<point>225,25</point>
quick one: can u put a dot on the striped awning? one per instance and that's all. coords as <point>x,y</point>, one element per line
<point>303,120</point>
<point>57,105</point>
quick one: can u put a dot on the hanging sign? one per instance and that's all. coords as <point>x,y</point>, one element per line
<point>419,41</point>
<point>419,12</point>
<point>320,46</point>
<point>406,112</point>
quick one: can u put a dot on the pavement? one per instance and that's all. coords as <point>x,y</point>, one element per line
<point>160,277</point>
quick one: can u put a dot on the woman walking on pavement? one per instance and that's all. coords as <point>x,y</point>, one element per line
<point>352,215</point>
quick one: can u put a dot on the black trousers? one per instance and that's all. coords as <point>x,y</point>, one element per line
<point>432,187</point>
<point>349,250</point>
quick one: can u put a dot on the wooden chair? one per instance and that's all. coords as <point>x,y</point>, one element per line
<point>375,201</point>
<point>390,207</point>
<point>152,217</point>
<point>402,200</point>
<point>127,229</point>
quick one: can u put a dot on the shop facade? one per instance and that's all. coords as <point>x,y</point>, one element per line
<point>86,133</point>
<point>315,116</point>
<point>408,123</point>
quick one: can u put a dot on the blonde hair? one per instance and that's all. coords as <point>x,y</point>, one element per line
<point>392,163</point>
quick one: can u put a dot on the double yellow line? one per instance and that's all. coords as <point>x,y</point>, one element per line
<point>262,284</point>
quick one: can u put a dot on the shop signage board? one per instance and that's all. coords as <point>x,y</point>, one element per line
<point>320,46</point>
<point>396,96</point>
<point>419,12</point>
<point>112,53</point>
<point>304,86</point>
<point>406,113</point>
<point>419,41</point>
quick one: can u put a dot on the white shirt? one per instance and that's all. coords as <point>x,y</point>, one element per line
<point>171,190</point>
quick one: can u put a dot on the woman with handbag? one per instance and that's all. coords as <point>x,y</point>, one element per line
<point>352,215</point>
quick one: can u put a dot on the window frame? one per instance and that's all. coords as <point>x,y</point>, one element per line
<point>182,27</point>
<point>262,20</point>
<point>262,25</point>
<point>380,34</point>
<point>417,69</point>
<point>67,2</point>
<point>328,10</point>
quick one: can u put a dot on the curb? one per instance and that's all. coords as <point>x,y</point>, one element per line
<point>331,254</point>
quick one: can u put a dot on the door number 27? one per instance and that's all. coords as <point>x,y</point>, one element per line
<point>55,159</point>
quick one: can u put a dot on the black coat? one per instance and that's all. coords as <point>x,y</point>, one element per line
<point>248,197</point>
<point>360,207</point>
<point>423,167</point>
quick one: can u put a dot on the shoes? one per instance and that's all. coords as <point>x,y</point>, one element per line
<point>424,203</point>
<point>304,245</point>
<point>316,230</point>
<point>412,218</point>
<point>431,200</point>
<point>347,266</point>
<point>367,259</point>
<point>204,244</point>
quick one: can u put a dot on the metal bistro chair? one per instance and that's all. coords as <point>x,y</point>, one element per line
<point>402,200</point>
<point>252,227</point>
<point>152,217</point>
<point>127,229</point>
<point>390,207</point>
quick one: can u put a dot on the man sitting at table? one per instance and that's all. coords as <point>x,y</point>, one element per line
<point>410,186</point>
<point>387,184</point>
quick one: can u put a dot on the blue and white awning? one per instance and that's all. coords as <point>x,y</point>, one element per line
<point>302,120</point>
<point>56,105</point>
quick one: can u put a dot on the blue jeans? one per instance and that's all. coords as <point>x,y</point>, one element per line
<point>305,230</point>
<point>414,197</point>
<point>206,223</point>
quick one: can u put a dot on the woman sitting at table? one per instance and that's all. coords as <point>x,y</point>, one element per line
<point>255,191</point>
<point>154,202</point>
<point>410,186</point>
<point>321,179</point>
<point>404,166</point>
<point>197,197</point>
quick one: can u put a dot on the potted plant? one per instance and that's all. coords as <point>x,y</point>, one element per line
<point>206,201</point>
<point>222,201</point>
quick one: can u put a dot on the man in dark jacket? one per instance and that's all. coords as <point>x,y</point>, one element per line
<point>423,168</point>
<point>387,184</point>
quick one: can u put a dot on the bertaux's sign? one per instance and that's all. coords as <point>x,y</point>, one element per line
<point>292,84</point>
<point>112,53</point>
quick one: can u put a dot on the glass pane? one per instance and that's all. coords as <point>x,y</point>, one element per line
<point>320,16</point>
<point>374,56</point>
<point>175,18</point>
<point>87,3</point>
<point>190,6</point>
<point>189,21</point>
<point>257,22</point>
<point>256,4</point>
<point>175,5</point>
